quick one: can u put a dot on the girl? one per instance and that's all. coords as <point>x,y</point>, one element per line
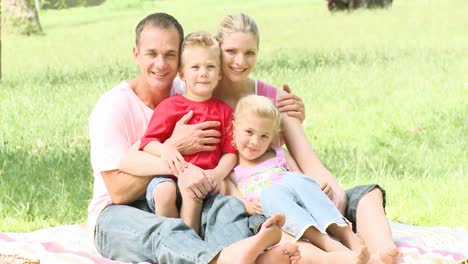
<point>264,172</point>
<point>363,205</point>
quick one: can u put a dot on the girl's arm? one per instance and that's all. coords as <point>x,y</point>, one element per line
<point>301,150</point>
<point>229,188</point>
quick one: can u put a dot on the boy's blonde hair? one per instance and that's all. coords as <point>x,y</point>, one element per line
<point>260,106</point>
<point>237,23</point>
<point>200,39</point>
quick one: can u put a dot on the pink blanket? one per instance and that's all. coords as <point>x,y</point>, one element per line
<point>70,244</point>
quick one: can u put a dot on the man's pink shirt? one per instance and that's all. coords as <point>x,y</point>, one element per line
<point>117,121</point>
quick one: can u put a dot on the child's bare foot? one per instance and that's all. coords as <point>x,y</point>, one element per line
<point>287,252</point>
<point>362,255</point>
<point>387,256</point>
<point>276,219</point>
<point>248,250</point>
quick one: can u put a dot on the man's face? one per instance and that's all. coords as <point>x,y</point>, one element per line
<point>157,55</point>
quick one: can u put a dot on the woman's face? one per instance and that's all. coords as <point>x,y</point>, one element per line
<point>239,55</point>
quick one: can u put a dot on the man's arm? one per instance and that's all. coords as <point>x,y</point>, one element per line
<point>124,188</point>
<point>188,139</point>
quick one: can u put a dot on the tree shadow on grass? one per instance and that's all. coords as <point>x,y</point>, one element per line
<point>47,185</point>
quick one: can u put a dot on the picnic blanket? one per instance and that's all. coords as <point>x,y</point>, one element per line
<point>70,244</point>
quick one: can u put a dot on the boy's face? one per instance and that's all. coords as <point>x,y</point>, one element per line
<point>201,72</point>
<point>157,55</point>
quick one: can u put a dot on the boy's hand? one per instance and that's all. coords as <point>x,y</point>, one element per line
<point>173,158</point>
<point>215,180</point>
<point>253,207</point>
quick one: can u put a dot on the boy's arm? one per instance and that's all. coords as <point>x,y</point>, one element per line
<point>167,153</point>
<point>225,165</point>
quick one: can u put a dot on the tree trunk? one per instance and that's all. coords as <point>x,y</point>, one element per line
<point>20,16</point>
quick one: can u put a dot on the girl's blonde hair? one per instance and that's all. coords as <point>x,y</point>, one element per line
<point>260,106</point>
<point>237,23</point>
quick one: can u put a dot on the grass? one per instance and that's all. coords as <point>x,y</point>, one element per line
<point>385,90</point>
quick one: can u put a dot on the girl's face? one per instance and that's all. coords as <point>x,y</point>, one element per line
<point>253,136</point>
<point>239,55</point>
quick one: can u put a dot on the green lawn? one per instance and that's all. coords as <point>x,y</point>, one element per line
<point>386,94</point>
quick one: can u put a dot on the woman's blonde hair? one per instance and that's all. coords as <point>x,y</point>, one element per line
<point>260,106</point>
<point>237,23</point>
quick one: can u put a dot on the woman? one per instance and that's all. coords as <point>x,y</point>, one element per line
<point>363,205</point>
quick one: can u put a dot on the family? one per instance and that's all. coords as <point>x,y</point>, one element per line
<point>188,165</point>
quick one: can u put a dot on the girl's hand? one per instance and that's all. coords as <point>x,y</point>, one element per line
<point>253,207</point>
<point>290,103</point>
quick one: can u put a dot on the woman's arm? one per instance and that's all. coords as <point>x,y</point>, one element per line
<point>291,162</point>
<point>302,151</point>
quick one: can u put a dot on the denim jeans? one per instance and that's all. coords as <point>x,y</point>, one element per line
<point>133,234</point>
<point>305,205</point>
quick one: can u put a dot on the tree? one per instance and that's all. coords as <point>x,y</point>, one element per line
<point>20,16</point>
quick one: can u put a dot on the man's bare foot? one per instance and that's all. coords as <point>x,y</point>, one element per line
<point>287,252</point>
<point>387,256</point>
<point>248,250</point>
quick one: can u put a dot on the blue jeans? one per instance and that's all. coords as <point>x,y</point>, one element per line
<point>133,234</point>
<point>305,205</point>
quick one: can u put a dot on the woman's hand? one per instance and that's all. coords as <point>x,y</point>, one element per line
<point>327,189</point>
<point>191,139</point>
<point>290,103</point>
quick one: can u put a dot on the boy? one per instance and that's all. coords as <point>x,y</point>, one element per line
<point>200,70</point>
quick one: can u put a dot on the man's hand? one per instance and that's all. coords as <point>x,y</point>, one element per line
<point>253,207</point>
<point>291,104</point>
<point>191,139</point>
<point>194,182</point>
